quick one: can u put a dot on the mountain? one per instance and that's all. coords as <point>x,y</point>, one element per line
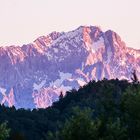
<point>34,75</point>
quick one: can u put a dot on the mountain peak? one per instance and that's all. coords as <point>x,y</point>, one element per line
<point>35,74</point>
<point>114,35</point>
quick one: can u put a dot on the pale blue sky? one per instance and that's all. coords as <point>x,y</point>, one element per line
<point>22,21</point>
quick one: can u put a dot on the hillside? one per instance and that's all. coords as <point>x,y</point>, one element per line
<point>113,106</point>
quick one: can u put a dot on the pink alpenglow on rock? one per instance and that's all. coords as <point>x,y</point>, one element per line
<point>34,75</point>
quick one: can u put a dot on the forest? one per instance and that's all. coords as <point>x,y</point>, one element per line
<point>102,110</point>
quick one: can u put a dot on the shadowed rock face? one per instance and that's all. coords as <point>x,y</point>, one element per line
<point>33,76</point>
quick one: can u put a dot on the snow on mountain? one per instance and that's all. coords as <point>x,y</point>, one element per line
<point>34,75</point>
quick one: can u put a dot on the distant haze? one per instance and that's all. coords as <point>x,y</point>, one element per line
<point>22,21</point>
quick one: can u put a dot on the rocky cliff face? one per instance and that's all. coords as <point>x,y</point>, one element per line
<point>33,76</point>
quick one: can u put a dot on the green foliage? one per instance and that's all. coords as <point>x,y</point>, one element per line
<point>80,126</point>
<point>115,131</point>
<point>4,131</point>
<point>52,135</point>
<point>103,110</point>
<point>131,107</point>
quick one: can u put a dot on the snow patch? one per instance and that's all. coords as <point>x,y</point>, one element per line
<point>39,86</point>
<point>109,55</point>
<point>65,88</point>
<point>2,90</point>
<point>122,62</point>
<point>7,98</point>
<point>50,57</point>
<point>123,78</point>
<point>81,81</point>
<point>98,45</point>
<point>55,50</point>
<point>63,76</point>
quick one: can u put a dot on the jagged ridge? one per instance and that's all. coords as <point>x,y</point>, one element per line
<point>34,75</point>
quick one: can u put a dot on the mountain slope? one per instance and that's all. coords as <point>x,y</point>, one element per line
<point>35,74</point>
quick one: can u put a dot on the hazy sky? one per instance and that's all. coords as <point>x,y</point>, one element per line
<point>22,21</point>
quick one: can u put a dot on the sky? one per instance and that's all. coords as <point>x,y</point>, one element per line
<point>22,21</point>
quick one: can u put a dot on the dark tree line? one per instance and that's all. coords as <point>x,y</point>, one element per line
<point>103,110</point>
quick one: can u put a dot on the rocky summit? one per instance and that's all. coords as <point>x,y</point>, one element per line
<point>34,75</point>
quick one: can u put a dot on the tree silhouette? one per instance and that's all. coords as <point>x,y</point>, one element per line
<point>61,95</point>
<point>134,77</point>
